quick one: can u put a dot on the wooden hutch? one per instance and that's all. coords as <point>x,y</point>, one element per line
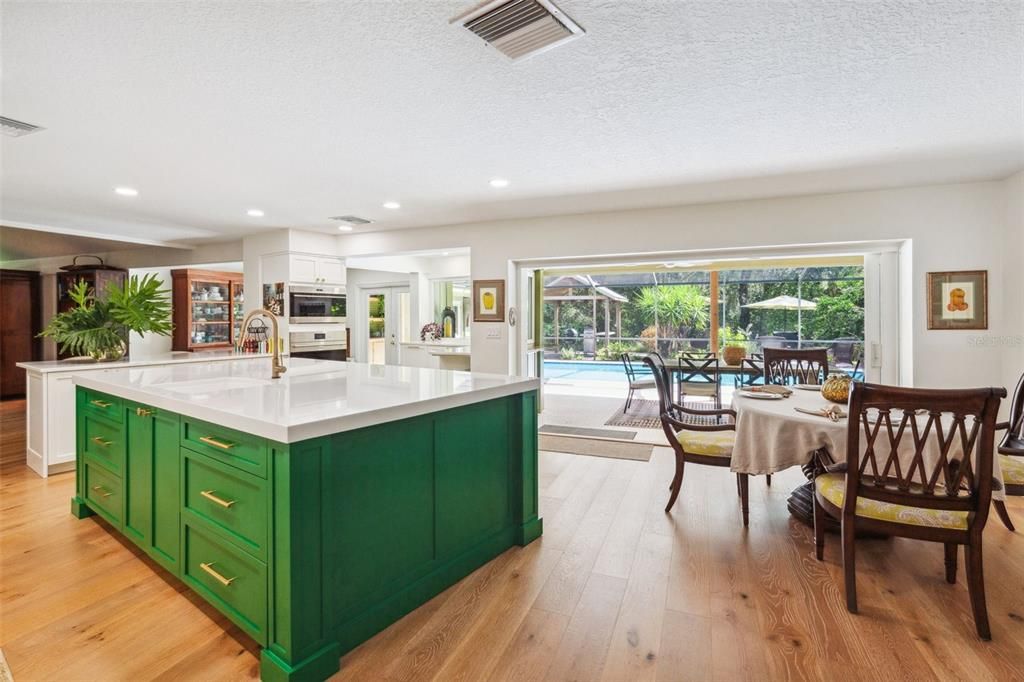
<point>208,309</point>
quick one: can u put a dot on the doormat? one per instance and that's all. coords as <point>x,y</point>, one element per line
<point>596,447</point>
<point>557,430</point>
<point>646,414</point>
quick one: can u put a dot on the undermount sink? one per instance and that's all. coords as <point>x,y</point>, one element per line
<point>213,385</point>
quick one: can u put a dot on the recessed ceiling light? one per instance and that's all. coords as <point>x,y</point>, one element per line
<point>127,191</point>
<point>254,213</point>
<point>499,183</point>
<point>391,204</point>
<point>345,228</point>
<point>445,253</point>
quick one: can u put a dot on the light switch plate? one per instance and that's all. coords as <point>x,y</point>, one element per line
<point>494,333</point>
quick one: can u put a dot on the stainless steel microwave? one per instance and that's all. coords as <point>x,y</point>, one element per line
<point>316,304</point>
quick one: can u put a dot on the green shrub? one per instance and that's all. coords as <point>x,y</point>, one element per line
<point>613,350</point>
<point>570,354</point>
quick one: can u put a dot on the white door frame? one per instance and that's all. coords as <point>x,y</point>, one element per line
<point>391,318</point>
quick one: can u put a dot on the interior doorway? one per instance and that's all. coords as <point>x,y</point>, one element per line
<point>389,323</point>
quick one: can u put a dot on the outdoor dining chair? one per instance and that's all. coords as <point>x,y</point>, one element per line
<point>698,376</point>
<point>637,381</point>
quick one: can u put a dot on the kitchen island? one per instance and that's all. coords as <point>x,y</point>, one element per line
<point>316,509</point>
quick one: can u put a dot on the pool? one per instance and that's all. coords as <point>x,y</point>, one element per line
<point>593,370</point>
<point>588,371</point>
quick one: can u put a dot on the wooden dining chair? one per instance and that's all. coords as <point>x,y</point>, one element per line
<point>698,376</point>
<point>791,366</point>
<point>695,442</point>
<point>945,500</point>
<point>1011,453</point>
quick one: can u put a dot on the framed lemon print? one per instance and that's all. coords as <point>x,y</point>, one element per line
<point>489,300</point>
<point>958,300</point>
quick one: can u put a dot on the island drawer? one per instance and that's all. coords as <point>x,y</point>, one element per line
<point>103,489</point>
<point>233,502</point>
<point>228,578</point>
<point>241,450</point>
<point>103,443</point>
<point>102,405</point>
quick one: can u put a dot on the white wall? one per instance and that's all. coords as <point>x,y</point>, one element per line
<point>953,227</point>
<point>1013,280</point>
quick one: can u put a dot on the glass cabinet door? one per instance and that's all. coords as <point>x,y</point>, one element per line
<point>237,309</point>
<point>211,312</point>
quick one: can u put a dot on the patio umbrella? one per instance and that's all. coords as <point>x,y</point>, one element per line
<point>787,303</point>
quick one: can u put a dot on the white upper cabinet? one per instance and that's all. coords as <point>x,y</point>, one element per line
<point>331,270</point>
<point>316,270</point>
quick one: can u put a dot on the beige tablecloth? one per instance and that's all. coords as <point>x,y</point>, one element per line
<point>772,436</point>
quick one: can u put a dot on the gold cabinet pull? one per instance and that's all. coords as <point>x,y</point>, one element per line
<point>99,441</point>
<point>210,440</point>
<point>101,491</point>
<point>221,579</point>
<point>143,412</point>
<point>101,403</point>
<point>208,494</point>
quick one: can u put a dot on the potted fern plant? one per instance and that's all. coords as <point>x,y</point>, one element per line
<point>99,328</point>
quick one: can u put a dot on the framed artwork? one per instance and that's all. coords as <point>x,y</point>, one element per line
<point>489,300</point>
<point>958,300</point>
<point>273,298</point>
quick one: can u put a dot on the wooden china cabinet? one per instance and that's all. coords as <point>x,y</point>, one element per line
<point>208,309</point>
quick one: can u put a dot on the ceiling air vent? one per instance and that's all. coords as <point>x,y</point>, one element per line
<point>13,128</point>
<point>520,28</point>
<point>351,219</point>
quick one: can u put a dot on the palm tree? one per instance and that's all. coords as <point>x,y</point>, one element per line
<point>677,310</point>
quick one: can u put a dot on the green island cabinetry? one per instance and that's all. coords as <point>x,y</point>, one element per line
<point>312,547</point>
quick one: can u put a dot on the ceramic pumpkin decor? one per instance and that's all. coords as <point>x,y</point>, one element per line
<point>837,387</point>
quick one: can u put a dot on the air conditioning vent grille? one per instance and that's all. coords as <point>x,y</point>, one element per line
<point>14,128</point>
<point>519,28</point>
<point>351,219</point>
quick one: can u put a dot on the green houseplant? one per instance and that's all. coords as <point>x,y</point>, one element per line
<point>99,328</point>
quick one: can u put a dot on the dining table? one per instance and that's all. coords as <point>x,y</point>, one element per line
<point>776,434</point>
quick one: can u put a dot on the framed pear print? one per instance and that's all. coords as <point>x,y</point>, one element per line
<point>958,300</point>
<point>489,300</point>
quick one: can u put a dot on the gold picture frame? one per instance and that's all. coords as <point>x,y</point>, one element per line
<point>958,299</point>
<point>488,300</point>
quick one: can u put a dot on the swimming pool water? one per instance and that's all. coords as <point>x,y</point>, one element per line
<point>586,371</point>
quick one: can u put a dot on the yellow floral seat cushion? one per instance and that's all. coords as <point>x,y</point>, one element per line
<point>708,443</point>
<point>833,488</point>
<point>1013,469</point>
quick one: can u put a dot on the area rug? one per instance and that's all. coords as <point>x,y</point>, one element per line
<point>558,430</point>
<point>5,671</point>
<point>646,414</point>
<point>596,447</point>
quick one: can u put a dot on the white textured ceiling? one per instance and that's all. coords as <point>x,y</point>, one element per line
<point>308,110</point>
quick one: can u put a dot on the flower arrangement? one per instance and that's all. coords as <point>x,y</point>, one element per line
<point>431,332</point>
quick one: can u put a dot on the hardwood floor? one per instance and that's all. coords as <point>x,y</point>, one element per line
<point>615,590</point>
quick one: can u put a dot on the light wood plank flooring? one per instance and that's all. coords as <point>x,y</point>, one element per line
<point>615,590</point>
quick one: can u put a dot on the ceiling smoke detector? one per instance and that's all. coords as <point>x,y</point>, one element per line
<point>350,219</point>
<point>520,28</point>
<point>13,128</point>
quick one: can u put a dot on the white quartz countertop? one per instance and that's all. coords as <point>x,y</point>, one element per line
<point>455,352</point>
<point>440,343</point>
<point>88,365</point>
<point>314,397</point>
